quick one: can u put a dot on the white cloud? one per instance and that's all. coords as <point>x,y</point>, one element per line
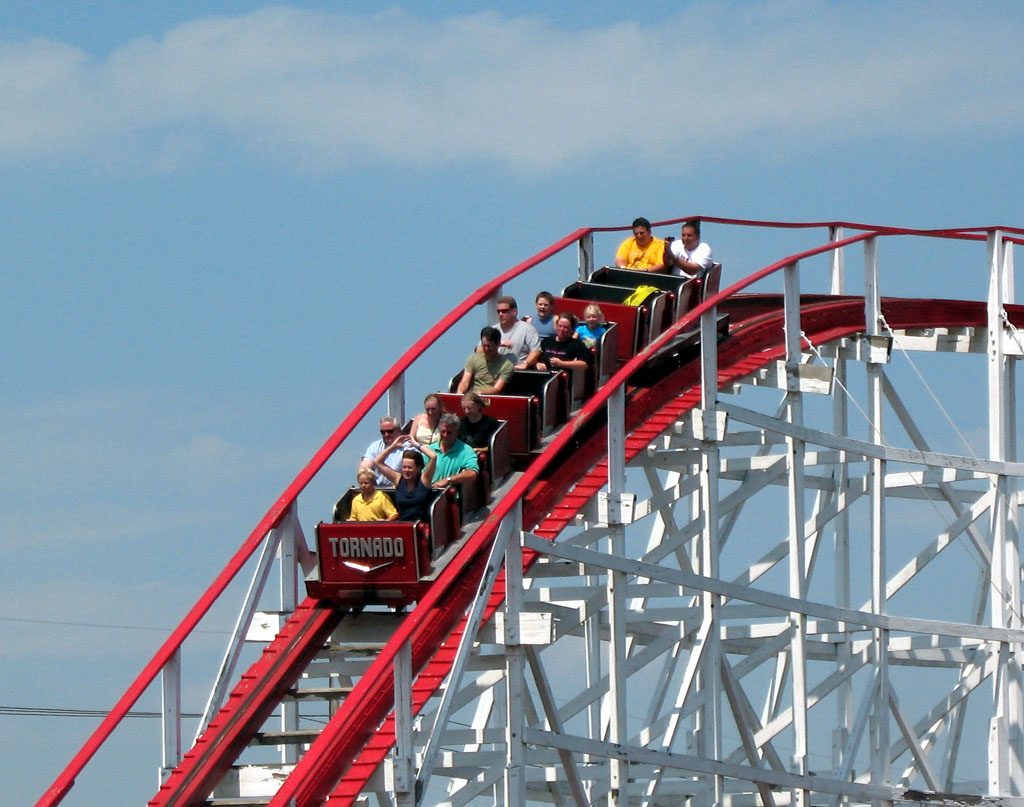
<point>204,450</point>
<point>335,90</point>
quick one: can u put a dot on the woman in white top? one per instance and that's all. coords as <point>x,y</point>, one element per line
<point>425,425</point>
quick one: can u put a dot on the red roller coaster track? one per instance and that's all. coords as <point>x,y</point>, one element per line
<point>569,473</point>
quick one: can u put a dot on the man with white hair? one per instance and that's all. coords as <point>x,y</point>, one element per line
<point>388,432</point>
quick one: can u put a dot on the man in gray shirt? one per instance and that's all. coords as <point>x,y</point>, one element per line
<point>519,340</point>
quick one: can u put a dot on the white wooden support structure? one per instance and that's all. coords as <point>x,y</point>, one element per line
<point>592,666</point>
<point>402,781</point>
<point>246,614</point>
<point>1014,553</point>
<point>1005,750</point>
<point>515,668</point>
<point>1013,542</point>
<point>494,565</point>
<point>170,714</point>
<point>797,563</point>
<point>618,771</point>
<point>841,524</point>
<point>709,427</point>
<point>879,716</point>
<point>396,400</point>
<point>491,306</point>
<point>837,276</point>
<point>288,565</point>
<point>585,253</point>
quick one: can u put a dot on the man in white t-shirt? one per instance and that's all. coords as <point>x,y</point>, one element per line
<point>690,255</point>
<point>519,340</point>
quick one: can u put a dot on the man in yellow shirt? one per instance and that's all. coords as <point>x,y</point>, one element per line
<point>643,251</point>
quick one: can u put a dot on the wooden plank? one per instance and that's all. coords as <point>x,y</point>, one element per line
<point>595,562</point>
<point>864,449</point>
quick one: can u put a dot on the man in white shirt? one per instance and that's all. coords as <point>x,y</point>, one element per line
<point>690,255</point>
<point>388,431</point>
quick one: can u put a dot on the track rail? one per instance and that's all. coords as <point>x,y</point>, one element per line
<point>252,701</point>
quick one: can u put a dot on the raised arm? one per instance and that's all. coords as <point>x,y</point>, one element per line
<point>427,476</point>
<point>390,473</point>
<point>700,260</point>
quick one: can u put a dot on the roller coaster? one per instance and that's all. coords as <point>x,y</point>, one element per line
<point>743,566</point>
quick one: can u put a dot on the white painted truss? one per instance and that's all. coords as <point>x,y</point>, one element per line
<point>806,593</point>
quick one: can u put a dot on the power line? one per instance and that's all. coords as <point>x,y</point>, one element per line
<point>102,625</point>
<point>42,711</point>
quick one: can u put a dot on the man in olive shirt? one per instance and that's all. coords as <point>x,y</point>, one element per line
<point>486,372</point>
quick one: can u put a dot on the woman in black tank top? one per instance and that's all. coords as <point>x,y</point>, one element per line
<point>412,484</point>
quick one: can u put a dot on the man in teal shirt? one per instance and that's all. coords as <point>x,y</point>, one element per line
<point>456,461</point>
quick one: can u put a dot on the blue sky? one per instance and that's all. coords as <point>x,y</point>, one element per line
<point>223,221</point>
